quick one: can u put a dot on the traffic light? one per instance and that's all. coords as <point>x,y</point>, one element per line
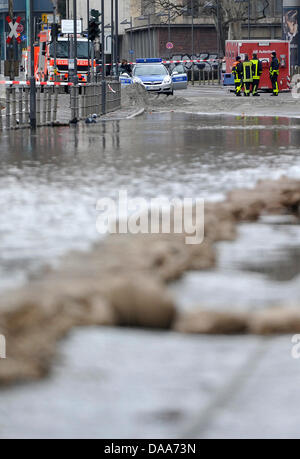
<point>94,31</point>
<point>96,14</point>
<point>55,31</point>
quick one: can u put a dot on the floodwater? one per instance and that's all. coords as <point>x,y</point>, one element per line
<point>113,383</point>
<point>50,182</point>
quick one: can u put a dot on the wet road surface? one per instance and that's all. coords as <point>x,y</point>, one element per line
<point>137,384</point>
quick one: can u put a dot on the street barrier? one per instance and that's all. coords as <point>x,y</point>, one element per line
<point>205,76</point>
<point>17,109</point>
<point>85,100</point>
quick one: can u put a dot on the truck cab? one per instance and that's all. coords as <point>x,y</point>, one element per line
<point>62,59</point>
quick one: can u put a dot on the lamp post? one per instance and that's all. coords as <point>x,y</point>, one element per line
<point>249,19</point>
<point>144,18</point>
<point>30,33</point>
<point>193,41</point>
<point>89,54</point>
<point>103,59</point>
<point>126,22</point>
<point>75,79</point>
<point>117,36</point>
<point>218,29</point>
<point>168,14</point>
<point>112,32</point>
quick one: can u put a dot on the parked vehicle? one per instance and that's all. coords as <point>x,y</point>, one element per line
<point>263,49</point>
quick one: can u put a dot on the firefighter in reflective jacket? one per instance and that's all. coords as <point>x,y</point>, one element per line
<point>237,71</point>
<point>274,74</point>
<point>256,71</point>
<point>247,76</point>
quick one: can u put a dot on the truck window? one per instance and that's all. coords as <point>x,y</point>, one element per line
<point>62,50</point>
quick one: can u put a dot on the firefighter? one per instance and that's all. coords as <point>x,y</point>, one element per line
<point>247,76</point>
<point>274,73</point>
<point>256,71</point>
<point>237,71</point>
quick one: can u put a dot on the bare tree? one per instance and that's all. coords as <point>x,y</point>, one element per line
<point>228,15</point>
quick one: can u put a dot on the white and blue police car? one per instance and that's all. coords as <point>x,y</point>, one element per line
<point>154,76</point>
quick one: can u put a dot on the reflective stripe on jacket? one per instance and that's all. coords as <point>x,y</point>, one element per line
<point>256,69</point>
<point>237,71</point>
<point>247,72</point>
<point>274,67</point>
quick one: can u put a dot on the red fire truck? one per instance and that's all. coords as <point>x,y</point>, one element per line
<point>44,58</point>
<point>263,49</point>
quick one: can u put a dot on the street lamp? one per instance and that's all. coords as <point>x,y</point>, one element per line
<point>144,18</point>
<point>112,31</point>
<point>168,14</point>
<point>116,53</point>
<point>75,77</point>
<point>126,22</point>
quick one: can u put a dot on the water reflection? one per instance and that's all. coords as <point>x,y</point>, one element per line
<point>50,181</point>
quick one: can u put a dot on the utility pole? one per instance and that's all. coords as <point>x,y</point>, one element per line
<point>149,35</point>
<point>249,19</point>
<point>218,29</point>
<point>103,80</point>
<point>32,76</point>
<point>193,44</point>
<point>89,53</point>
<point>75,78</point>
<point>55,30</point>
<point>11,45</point>
<point>117,36</point>
<point>112,32</point>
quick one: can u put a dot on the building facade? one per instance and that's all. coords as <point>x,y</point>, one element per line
<point>151,31</point>
<point>187,33</point>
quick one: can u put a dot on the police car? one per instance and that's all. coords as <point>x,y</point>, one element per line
<point>154,76</point>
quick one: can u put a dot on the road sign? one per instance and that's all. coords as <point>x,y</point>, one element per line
<point>169,45</point>
<point>20,28</point>
<point>13,29</point>
<point>67,26</point>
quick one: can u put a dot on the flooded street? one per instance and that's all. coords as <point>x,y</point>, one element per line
<point>125,383</point>
<point>50,182</point>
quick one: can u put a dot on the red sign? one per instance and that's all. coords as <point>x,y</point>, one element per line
<point>20,28</point>
<point>13,29</point>
<point>169,45</point>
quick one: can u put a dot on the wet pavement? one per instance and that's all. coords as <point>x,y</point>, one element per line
<point>126,383</point>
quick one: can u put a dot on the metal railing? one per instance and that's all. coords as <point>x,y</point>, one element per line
<point>85,100</point>
<point>17,109</point>
<point>88,99</point>
<point>205,76</point>
<point>113,96</point>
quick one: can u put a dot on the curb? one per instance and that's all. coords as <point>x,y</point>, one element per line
<point>136,114</point>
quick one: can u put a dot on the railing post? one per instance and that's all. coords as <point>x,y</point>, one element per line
<point>7,104</point>
<point>38,106</point>
<point>49,90</point>
<point>14,107</point>
<point>44,96</point>
<point>20,106</point>
<point>55,104</point>
<point>26,103</point>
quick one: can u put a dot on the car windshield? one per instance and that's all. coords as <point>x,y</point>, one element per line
<point>62,49</point>
<point>147,70</point>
